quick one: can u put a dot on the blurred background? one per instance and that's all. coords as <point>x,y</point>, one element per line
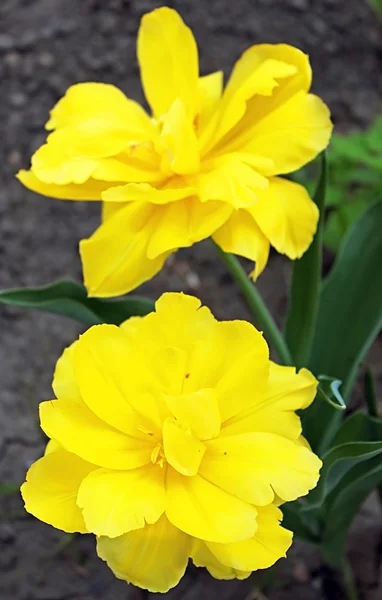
<point>47,45</point>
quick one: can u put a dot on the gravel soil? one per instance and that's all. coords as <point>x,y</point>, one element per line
<point>45,46</point>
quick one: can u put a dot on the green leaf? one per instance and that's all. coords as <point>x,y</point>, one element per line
<point>304,526</point>
<point>359,426</point>
<point>337,462</point>
<point>305,287</point>
<point>349,319</point>
<point>343,505</point>
<point>70,299</point>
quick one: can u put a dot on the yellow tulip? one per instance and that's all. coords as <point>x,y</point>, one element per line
<point>206,163</point>
<point>173,437</point>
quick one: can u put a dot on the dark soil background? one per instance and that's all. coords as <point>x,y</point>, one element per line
<point>45,46</point>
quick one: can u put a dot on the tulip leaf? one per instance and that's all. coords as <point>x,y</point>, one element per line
<point>349,319</point>
<point>344,503</point>
<point>305,286</point>
<point>70,299</point>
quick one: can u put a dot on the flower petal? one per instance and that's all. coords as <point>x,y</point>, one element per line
<point>154,557</point>
<point>64,384</point>
<point>287,216</point>
<point>270,542</point>
<point>181,224</point>
<point>168,58</point>
<point>241,235</point>
<point>78,430</point>
<point>192,507</point>
<point>84,101</point>
<point>115,257</point>
<point>287,392</point>
<point>293,134</point>
<point>199,411</point>
<point>202,557</point>
<point>147,193</point>
<point>183,451</point>
<point>51,487</point>
<point>210,89</point>
<point>259,73</point>
<point>116,502</point>
<point>178,138</point>
<point>90,190</point>
<point>107,366</point>
<point>272,464</point>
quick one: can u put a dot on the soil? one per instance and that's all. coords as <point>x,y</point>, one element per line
<point>45,46</point>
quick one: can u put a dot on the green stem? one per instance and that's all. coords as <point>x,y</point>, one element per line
<point>261,314</point>
<point>348,582</point>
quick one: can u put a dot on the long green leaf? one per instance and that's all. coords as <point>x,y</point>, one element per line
<point>305,286</point>
<point>337,462</point>
<point>70,299</point>
<point>349,319</point>
<point>344,505</point>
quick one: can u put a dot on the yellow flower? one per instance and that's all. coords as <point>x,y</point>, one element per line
<point>174,437</point>
<point>206,163</point>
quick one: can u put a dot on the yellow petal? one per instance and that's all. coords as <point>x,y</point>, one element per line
<point>146,192</point>
<point>52,446</point>
<point>153,558</point>
<point>233,359</point>
<point>270,542</point>
<point>84,101</point>
<point>51,487</point>
<point>106,366</point>
<point>241,235</point>
<point>232,180</point>
<point>78,430</point>
<point>270,60</point>
<point>116,502</point>
<point>114,259</point>
<point>90,190</point>
<point>109,209</point>
<point>210,90</point>
<point>168,58</point>
<point>293,134</point>
<point>287,216</point>
<point>287,391</point>
<point>64,384</point>
<point>183,451</point>
<point>257,73</point>
<point>202,557</point>
<point>272,464</point>
<point>198,411</point>
<point>179,140</point>
<point>192,507</point>
<point>183,223</point>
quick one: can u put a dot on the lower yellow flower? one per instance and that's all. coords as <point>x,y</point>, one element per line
<point>174,437</point>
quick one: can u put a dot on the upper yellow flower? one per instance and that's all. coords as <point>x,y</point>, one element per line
<point>205,163</point>
<point>174,436</point>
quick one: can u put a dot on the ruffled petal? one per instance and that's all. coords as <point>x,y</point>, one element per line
<point>202,557</point>
<point>270,542</point>
<point>292,135</point>
<point>115,257</point>
<point>107,366</point>
<point>210,90</point>
<point>241,235</point>
<point>168,58</point>
<point>116,502</point>
<point>198,411</point>
<point>287,391</point>
<point>90,190</point>
<point>271,463</point>
<point>287,216</point>
<point>182,450</point>
<point>154,557</point>
<point>192,507</point>
<point>79,431</point>
<point>51,488</point>
<point>179,141</point>
<point>84,101</point>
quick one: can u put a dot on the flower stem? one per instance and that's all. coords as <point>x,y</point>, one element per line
<point>348,582</point>
<point>261,314</point>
